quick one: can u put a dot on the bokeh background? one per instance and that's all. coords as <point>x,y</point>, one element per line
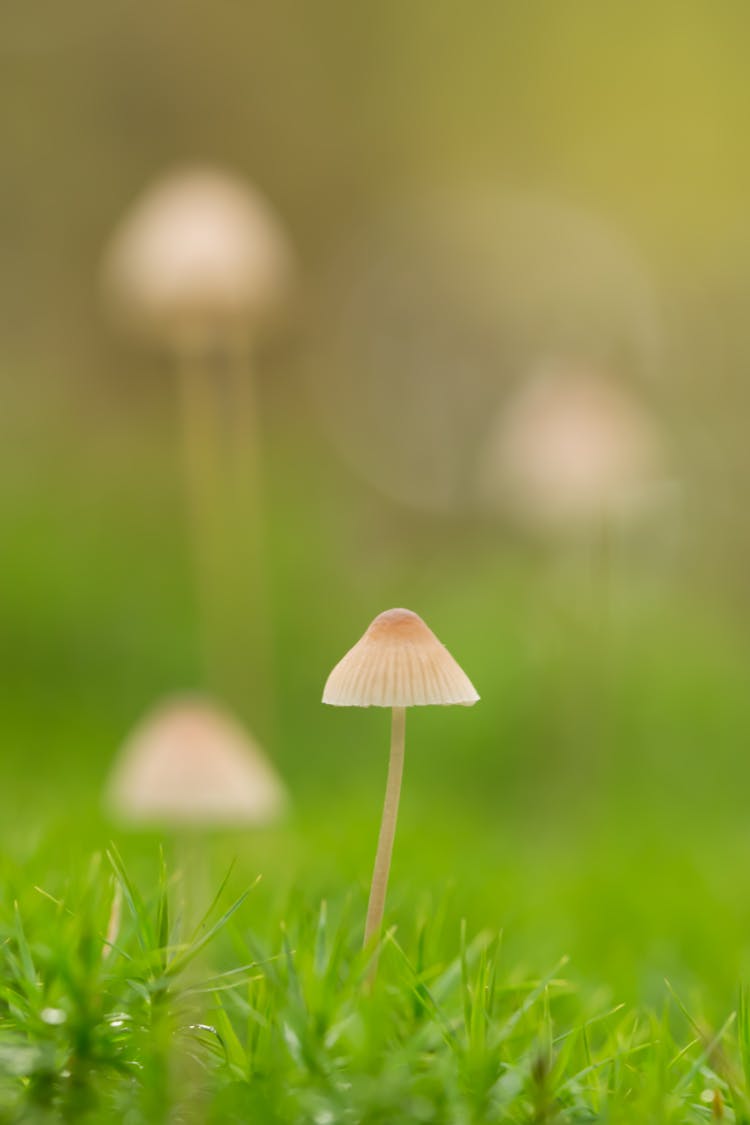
<point>473,194</point>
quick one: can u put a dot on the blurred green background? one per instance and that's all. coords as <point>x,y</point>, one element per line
<point>595,802</point>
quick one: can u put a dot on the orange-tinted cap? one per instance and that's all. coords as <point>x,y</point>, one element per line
<point>399,662</point>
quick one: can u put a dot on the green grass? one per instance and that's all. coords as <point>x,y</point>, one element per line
<point>114,1005</point>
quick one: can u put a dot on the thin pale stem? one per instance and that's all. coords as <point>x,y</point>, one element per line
<point>252,635</point>
<point>376,905</point>
<point>204,493</point>
<point>222,477</point>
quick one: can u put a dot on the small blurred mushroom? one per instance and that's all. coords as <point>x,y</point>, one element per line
<point>398,663</point>
<point>189,764</point>
<point>570,452</point>
<point>198,268</point>
<point>188,768</point>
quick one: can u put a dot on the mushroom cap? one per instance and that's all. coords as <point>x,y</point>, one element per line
<point>399,662</point>
<point>198,252</point>
<point>190,763</point>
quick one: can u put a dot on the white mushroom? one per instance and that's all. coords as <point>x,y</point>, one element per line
<point>200,255</point>
<point>398,663</point>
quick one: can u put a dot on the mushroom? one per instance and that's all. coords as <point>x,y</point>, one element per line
<point>197,268</point>
<point>573,449</point>
<point>199,258</point>
<point>187,768</point>
<point>190,764</point>
<point>398,663</point>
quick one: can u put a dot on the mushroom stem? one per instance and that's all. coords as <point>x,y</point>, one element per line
<point>204,494</point>
<point>246,497</point>
<point>379,886</point>
<point>222,471</point>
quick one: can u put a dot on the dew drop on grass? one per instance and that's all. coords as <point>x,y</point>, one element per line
<point>53,1016</point>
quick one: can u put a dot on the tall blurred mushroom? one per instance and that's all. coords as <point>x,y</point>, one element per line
<point>398,663</point>
<point>198,268</point>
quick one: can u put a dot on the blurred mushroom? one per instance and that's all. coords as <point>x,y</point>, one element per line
<point>572,450</point>
<point>189,764</point>
<point>199,262</point>
<point>198,268</point>
<point>398,663</point>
